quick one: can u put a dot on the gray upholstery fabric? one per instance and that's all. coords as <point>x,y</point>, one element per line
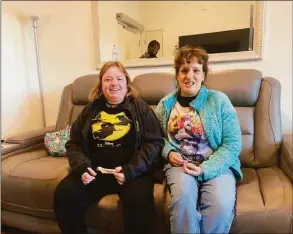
<point>81,88</point>
<point>241,85</point>
<point>152,87</point>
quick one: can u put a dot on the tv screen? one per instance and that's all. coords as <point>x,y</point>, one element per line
<point>220,42</point>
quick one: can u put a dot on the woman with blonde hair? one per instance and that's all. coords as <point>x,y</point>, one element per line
<point>119,132</point>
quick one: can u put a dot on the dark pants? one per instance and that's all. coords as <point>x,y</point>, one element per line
<point>72,198</point>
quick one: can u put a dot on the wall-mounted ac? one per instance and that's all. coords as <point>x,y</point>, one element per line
<point>129,23</point>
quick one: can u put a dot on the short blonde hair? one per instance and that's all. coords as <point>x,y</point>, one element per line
<point>96,91</point>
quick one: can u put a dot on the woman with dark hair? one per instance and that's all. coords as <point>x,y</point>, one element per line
<point>202,147</point>
<point>117,131</point>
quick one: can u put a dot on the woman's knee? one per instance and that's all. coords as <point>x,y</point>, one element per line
<point>185,192</point>
<point>219,206</point>
<point>219,194</point>
<point>67,190</point>
<point>223,207</point>
<point>184,199</point>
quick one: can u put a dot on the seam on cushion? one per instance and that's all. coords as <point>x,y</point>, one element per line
<point>260,189</point>
<point>62,107</point>
<point>22,163</point>
<point>283,186</point>
<point>272,210</point>
<point>57,177</point>
<point>284,190</point>
<point>59,114</point>
<point>269,113</point>
<point>34,137</point>
<point>71,112</point>
<point>8,203</point>
<point>52,179</point>
<point>35,178</point>
<point>268,211</point>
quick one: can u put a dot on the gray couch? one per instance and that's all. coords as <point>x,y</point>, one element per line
<point>264,197</point>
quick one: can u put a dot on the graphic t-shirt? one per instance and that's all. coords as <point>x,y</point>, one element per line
<point>111,137</point>
<point>186,132</point>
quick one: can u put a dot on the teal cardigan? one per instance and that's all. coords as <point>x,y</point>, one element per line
<point>221,127</point>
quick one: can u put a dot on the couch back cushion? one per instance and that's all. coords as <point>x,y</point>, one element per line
<point>74,98</point>
<point>152,87</point>
<point>256,100</point>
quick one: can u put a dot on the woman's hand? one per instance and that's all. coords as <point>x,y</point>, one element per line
<point>176,159</point>
<point>119,175</point>
<point>192,169</point>
<point>86,177</point>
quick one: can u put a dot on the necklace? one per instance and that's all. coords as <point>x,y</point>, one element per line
<point>111,105</point>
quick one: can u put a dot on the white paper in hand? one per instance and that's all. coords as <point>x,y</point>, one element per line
<point>106,170</point>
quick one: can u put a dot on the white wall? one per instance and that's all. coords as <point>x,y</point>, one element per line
<point>109,28</point>
<point>67,51</point>
<point>19,93</point>
<point>179,18</point>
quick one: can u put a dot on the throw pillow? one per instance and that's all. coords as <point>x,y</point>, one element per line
<point>55,141</point>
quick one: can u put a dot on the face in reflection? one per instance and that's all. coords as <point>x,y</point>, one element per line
<point>154,50</point>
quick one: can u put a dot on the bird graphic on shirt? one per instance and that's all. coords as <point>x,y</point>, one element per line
<point>110,127</point>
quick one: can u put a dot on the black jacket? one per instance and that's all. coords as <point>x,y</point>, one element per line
<point>147,149</point>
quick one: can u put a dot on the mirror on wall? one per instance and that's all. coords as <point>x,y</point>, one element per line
<point>148,33</point>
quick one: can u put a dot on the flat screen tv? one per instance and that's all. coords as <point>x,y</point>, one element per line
<point>221,42</point>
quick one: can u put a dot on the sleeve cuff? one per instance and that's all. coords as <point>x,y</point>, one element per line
<point>127,173</point>
<point>201,176</point>
<point>82,168</point>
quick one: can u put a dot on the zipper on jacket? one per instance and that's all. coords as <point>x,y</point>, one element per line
<point>137,126</point>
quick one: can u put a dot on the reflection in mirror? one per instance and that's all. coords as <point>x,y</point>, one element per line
<point>228,30</point>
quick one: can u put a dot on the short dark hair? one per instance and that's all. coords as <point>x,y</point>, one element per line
<point>153,43</point>
<point>186,53</point>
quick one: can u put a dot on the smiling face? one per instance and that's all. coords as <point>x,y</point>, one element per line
<point>190,77</point>
<point>114,85</point>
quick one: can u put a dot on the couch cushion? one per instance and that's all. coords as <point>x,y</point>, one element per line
<point>29,180</point>
<point>240,85</point>
<point>76,110</point>
<point>6,148</point>
<point>264,202</point>
<point>28,186</point>
<point>152,87</point>
<point>246,120</point>
<point>81,88</point>
<point>267,122</point>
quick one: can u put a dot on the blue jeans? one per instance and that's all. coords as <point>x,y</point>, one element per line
<point>200,207</point>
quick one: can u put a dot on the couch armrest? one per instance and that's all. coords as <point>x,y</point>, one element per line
<point>286,161</point>
<point>30,138</point>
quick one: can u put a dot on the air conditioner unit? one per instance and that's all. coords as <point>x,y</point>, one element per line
<point>126,21</point>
